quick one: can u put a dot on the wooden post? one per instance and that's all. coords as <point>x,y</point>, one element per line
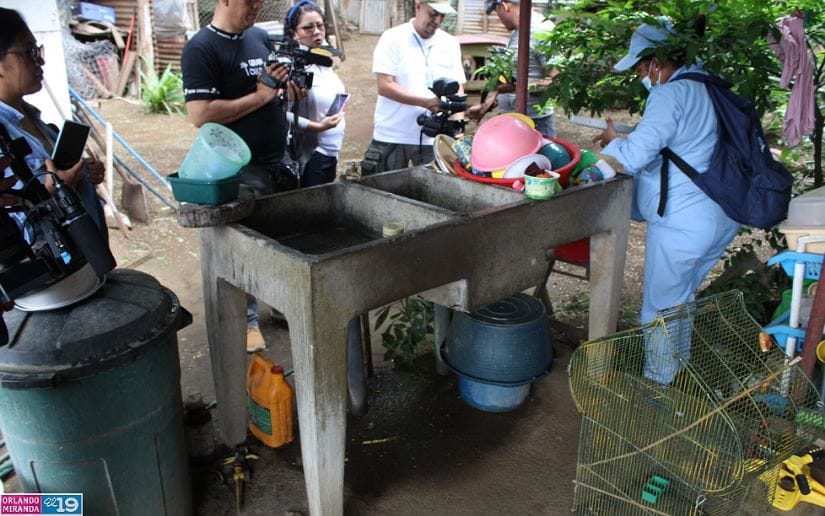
<point>145,47</point>
<point>522,62</point>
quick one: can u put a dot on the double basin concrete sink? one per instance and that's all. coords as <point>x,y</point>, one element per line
<point>318,256</point>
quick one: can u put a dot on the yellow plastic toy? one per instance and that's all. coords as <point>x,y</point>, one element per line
<point>795,483</point>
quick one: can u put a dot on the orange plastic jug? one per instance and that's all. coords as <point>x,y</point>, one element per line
<point>269,402</point>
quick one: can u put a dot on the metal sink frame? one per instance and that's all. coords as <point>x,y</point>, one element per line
<point>318,256</point>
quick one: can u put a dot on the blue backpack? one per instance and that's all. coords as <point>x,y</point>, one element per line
<point>743,178</point>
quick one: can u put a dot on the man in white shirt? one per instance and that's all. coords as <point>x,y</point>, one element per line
<point>407,60</point>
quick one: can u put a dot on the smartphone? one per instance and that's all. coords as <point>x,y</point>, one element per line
<point>338,104</point>
<point>70,144</point>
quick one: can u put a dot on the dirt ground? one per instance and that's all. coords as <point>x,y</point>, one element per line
<point>418,449</point>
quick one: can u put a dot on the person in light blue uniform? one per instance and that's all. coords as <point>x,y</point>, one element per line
<point>689,238</point>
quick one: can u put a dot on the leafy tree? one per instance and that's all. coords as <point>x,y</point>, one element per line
<point>592,35</point>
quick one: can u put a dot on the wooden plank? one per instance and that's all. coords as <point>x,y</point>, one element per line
<point>125,73</point>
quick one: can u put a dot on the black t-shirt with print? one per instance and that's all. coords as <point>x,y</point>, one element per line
<point>220,65</point>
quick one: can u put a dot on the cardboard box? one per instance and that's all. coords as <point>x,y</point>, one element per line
<point>90,11</point>
<point>793,233</point>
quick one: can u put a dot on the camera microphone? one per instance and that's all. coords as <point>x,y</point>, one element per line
<point>82,230</point>
<point>318,56</point>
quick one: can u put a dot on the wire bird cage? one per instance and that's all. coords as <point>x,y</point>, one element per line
<point>682,414</point>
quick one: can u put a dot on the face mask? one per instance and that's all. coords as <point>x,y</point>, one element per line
<point>648,84</point>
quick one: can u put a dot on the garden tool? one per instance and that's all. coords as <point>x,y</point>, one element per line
<point>795,483</point>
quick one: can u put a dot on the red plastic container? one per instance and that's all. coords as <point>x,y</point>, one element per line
<point>564,172</point>
<point>576,252</point>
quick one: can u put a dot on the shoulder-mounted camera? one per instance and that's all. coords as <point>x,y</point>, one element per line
<point>288,52</point>
<point>450,102</point>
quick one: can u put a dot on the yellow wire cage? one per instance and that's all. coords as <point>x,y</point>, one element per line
<point>681,415</point>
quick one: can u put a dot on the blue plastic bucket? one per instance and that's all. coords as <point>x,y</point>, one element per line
<point>218,153</point>
<point>505,343</point>
<point>492,398</point>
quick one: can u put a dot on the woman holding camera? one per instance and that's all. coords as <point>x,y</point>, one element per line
<point>21,74</point>
<point>321,136</point>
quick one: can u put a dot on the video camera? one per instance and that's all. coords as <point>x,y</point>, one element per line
<point>451,102</point>
<point>64,237</point>
<point>288,52</point>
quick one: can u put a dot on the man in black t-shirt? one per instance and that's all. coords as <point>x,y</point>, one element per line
<point>221,65</point>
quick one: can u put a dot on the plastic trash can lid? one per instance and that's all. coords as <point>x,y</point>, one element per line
<point>119,323</point>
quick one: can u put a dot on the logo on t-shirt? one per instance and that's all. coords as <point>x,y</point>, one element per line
<point>253,67</point>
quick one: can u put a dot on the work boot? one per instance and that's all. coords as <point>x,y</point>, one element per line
<point>254,340</point>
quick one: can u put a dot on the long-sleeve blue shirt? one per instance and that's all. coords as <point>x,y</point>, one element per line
<point>679,115</point>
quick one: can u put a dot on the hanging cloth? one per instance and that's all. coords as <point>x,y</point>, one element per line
<point>792,51</point>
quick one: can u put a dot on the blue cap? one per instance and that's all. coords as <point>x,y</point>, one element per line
<point>645,37</point>
<point>491,5</point>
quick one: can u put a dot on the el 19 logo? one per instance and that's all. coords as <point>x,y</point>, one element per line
<point>62,504</point>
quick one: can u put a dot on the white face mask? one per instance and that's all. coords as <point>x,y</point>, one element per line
<point>648,84</point>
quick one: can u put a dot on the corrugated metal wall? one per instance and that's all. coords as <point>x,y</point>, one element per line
<point>375,16</point>
<point>124,10</point>
<point>473,20</point>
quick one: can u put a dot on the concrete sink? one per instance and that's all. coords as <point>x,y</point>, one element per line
<point>318,256</point>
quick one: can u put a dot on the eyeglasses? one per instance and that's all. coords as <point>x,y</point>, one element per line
<point>311,27</point>
<point>34,52</point>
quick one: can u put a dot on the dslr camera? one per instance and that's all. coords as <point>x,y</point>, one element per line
<point>288,52</point>
<point>451,102</point>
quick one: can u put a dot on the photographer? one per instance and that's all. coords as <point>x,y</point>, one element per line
<point>221,67</point>
<point>407,60</point>
<point>21,74</point>
<point>320,136</point>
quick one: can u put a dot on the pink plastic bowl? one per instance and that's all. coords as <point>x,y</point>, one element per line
<point>501,140</point>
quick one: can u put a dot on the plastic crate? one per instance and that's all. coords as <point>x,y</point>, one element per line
<point>199,191</point>
<point>90,11</point>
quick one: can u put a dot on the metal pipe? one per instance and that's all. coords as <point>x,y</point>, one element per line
<point>83,117</point>
<point>117,137</point>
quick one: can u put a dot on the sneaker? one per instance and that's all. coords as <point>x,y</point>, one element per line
<point>254,340</point>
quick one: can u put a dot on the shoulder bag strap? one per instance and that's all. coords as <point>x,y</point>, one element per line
<point>668,156</point>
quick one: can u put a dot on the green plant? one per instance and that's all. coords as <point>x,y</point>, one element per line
<point>592,35</point>
<point>500,68</point>
<point>162,94</point>
<point>408,329</point>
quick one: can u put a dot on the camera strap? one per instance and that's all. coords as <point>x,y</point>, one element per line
<point>267,80</point>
